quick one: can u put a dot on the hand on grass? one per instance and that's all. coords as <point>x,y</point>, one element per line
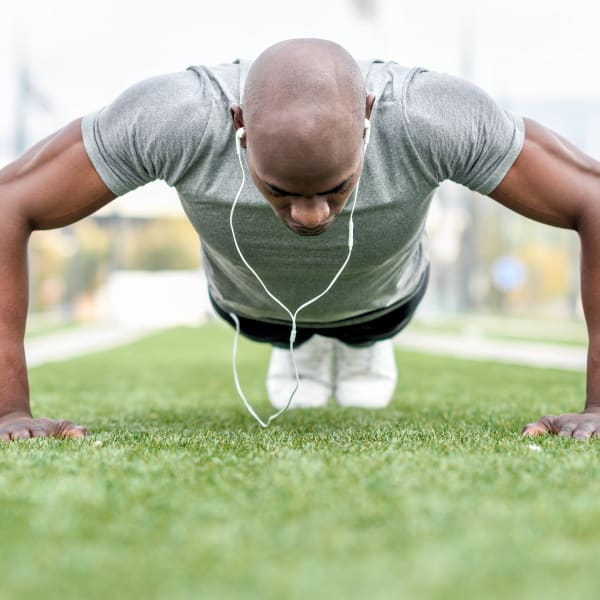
<point>576,425</point>
<point>20,426</point>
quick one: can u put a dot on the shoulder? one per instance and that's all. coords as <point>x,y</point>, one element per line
<point>162,101</point>
<point>444,100</point>
<point>392,82</point>
<point>158,108</point>
<point>176,99</point>
<point>457,130</point>
<point>156,129</point>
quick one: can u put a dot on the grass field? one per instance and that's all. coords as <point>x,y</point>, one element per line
<point>525,329</point>
<point>186,497</point>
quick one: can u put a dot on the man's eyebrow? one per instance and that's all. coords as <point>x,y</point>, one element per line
<point>281,192</point>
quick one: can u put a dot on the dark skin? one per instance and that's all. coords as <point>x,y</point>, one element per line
<point>305,187</point>
<point>52,185</point>
<point>305,162</point>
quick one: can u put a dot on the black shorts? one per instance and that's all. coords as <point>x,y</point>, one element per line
<point>357,334</point>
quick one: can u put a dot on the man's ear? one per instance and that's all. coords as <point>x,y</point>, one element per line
<point>237,117</point>
<point>369,107</point>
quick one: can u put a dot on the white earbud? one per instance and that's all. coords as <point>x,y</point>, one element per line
<point>367,134</point>
<point>239,134</point>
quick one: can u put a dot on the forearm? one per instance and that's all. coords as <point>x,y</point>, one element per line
<point>592,400</point>
<point>588,227</point>
<point>14,388</point>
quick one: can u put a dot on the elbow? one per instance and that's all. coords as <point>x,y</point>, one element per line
<point>586,221</point>
<point>14,214</point>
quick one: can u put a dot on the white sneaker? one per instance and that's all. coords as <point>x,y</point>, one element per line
<point>314,360</point>
<point>365,377</point>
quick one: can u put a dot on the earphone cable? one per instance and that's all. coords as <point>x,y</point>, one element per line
<point>293,316</point>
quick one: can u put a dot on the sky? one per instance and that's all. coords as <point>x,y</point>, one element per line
<point>82,54</point>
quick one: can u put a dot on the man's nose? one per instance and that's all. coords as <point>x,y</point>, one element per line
<point>310,212</point>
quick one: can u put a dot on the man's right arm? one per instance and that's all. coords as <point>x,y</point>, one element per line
<point>52,185</point>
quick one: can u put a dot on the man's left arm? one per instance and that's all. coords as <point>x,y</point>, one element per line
<point>553,182</point>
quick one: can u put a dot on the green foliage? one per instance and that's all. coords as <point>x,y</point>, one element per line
<point>187,497</point>
<point>48,256</point>
<point>67,264</point>
<point>88,266</point>
<point>161,244</point>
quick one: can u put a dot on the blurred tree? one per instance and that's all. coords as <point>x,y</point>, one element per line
<point>86,269</point>
<point>68,266</point>
<point>162,244</point>
<point>48,255</point>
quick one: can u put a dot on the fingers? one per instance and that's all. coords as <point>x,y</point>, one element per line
<point>25,429</point>
<point>76,433</point>
<point>68,429</point>
<point>533,429</point>
<point>567,430</point>
<point>576,429</point>
<point>583,432</point>
<point>21,434</point>
<point>544,425</point>
<point>38,432</point>
<point>578,426</point>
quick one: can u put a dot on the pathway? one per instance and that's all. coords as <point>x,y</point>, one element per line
<point>84,340</point>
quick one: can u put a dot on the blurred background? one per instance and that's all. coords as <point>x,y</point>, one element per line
<point>137,261</point>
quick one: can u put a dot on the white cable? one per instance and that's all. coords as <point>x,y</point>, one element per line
<point>294,315</point>
<point>239,387</point>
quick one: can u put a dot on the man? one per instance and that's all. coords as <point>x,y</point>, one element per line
<point>303,112</point>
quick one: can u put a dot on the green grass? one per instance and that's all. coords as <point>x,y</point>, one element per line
<point>435,497</point>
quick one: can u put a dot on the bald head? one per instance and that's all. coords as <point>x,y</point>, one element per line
<point>303,110</point>
<point>304,74</point>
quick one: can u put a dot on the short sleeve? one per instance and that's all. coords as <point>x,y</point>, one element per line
<point>154,130</point>
<point>459,132</point>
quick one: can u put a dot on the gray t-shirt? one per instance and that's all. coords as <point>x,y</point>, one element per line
<point>426,127</point>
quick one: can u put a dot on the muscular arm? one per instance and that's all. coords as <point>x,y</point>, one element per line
<point>555,183</point>
<point>52,185</point>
